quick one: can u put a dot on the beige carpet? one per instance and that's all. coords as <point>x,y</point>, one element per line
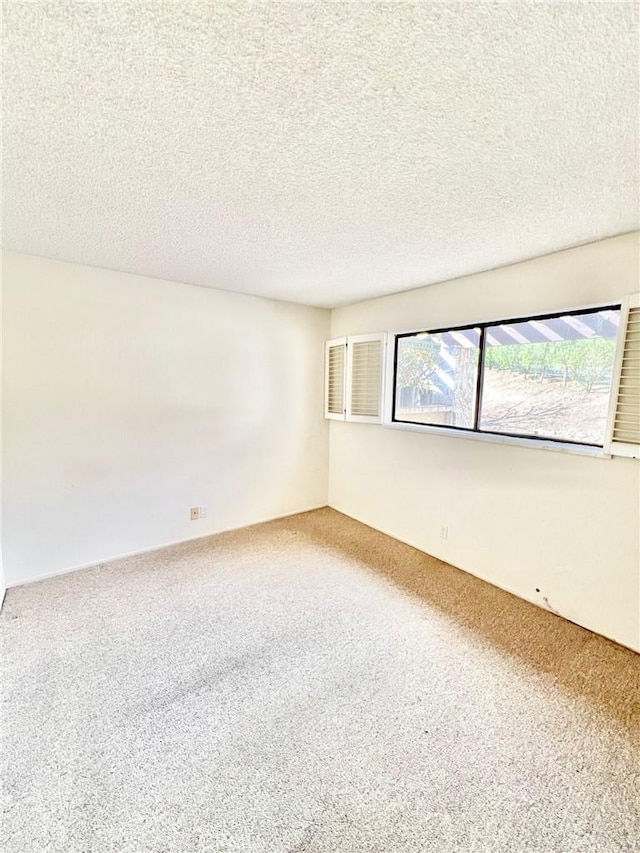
<point>309,686</point>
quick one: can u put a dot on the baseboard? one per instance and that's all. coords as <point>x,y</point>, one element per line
<point>104,560</point>
<point>487,580</point>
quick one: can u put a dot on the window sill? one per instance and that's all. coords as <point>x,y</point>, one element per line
<point>533,443</point>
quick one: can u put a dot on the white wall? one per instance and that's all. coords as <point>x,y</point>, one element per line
<point>127,400</point>
<point>518,517</point>
<point>3,582</point>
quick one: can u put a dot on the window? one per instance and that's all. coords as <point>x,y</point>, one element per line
<point>542,377</point>
<point>437,377</point>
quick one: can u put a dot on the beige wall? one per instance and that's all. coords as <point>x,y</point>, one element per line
<point>127,400</point>
<point>521,518</point>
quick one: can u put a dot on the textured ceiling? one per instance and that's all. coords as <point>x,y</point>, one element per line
<point>319,152</point>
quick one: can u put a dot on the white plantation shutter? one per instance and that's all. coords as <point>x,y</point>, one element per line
<point>335,378</point>
<point>354,368</point>
<point>365,356</point>
<point>626,418</point>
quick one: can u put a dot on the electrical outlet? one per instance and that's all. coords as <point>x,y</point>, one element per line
<point>203,512</point>
<point>444,532</point>
<point>195,513</point>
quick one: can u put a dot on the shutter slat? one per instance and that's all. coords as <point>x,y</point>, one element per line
<point>336,362</point>
<point>366,363</point>
<point>353,378</point>
<point>626,423</point>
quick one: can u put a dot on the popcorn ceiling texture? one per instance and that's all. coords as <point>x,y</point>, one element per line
<point>317,152</point>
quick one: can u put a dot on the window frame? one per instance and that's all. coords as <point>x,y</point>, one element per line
<point>520,439</point>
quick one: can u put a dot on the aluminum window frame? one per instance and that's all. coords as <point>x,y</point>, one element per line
<point>488,435</point>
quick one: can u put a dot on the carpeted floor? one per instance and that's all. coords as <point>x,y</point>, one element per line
<point>309,686</point>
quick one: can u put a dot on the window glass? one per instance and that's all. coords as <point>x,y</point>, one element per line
<point>550,378</point>
<point>437,378</point>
